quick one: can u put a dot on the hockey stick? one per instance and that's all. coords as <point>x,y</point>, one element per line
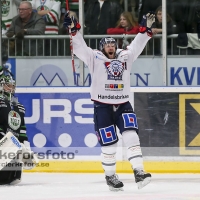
<point>71,45</point>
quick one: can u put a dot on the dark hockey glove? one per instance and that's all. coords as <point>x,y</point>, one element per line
<point>71,22</point>
<point>146,23</point>
<point>10,34</point>
<point>20,35</point>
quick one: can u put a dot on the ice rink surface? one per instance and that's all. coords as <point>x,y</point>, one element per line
<point>69,186</point>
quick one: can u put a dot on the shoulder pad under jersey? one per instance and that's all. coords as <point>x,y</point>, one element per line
<point>122,55</point>
<point>99,55</point>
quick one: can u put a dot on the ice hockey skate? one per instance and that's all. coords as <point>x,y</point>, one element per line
<point>142,178</point>
<point>114,183</point>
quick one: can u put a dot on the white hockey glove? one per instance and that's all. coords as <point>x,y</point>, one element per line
<point>29,159</point>
<point>146,23</point>
<point>9,146</point>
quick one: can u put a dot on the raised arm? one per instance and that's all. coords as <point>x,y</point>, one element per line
<point>137,45</point>
<point>80,49</point>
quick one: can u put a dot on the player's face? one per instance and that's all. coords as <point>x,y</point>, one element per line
<point>9,88</point>
<point>110,50</point>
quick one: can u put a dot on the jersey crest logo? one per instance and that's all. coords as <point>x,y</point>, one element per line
<point>108,134</point>
<point>14,120</point>
<point>115,69</point>
<point>5,8</point>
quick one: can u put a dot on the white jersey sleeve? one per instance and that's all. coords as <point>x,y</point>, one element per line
<point>82,51</point>
<point>137,45</point>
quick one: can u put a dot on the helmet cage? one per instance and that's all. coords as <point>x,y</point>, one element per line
<point>107,40</point>
<point>7,85</point>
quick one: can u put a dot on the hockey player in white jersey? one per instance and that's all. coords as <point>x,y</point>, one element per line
<point>110,89</point>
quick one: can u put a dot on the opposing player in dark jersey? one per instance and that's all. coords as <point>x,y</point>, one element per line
<point>110,90</point>
<point>13,138</point>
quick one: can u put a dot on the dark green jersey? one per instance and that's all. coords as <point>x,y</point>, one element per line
<point>12,119</point>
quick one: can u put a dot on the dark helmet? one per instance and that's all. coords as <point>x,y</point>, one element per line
<point>7,83</point>
<point>107,40</point>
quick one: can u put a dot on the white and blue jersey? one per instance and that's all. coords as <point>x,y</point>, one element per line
<point>110,77</point>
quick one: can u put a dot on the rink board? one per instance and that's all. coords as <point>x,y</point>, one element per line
<point>121,167</point>
<point>58,72</point>
<point>61,119</point>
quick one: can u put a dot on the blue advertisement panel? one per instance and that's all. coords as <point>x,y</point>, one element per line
<point>59,121</point>
<point>183,72</point>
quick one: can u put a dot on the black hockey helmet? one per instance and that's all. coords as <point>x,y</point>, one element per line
<point>7,82</point>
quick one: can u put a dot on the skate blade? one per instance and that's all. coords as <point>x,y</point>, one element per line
<point>16,181</point>
<point>143,183</point>
<point>115,189</point>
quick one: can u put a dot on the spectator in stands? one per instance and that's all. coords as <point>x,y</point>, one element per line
<point>189,37</point>
<point>50,11</point>
<point>130,6</point>
<point>8,11</point>
<point>177,9</point>
<point>101,15</point>
<point>157,25</point>
<point>126,25</point>
<point>26,23</point>
<point>157,29</point>
<point>86,4</point>
<point>144,6</point>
